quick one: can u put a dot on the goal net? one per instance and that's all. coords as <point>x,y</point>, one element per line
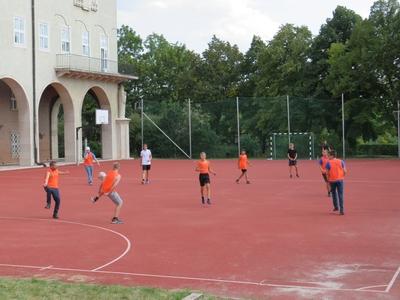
<point>303,141</point>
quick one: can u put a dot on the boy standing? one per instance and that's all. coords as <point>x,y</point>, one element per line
<point>322,163</point>
<point>51,187</point>
<point>203,167</point>
<point>243,165</point>
<point>146,156</point>
<point>292,156</point>
<point>88,160</point>
<point>336,171</point>
<point>107,188</point>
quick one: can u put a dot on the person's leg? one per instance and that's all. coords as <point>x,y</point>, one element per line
<point>57,200</point>
<point>290,170</point>
<point>147,175</point>
<point>87,173</point>
<point>240,177</point>
<point>202,187</point>
<point>114,196</point>
<point>208,187</point>
<point>334,195</point>
<point>48,198</point>
<point>90,174</point>
<point>340,188</point>
<point>247,179</point>
<point>143,174</point>
<point>297,171</point>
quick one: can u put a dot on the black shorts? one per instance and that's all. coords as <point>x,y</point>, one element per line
<point>325,177</point>
<point>292,162</point>
<point>244,170</point>
<point>204,179</point>
<point>146,167</point>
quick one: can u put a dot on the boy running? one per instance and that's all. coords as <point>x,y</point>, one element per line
<point>107,188</point>
<point>292,156</point>
<point>88,160</point>
<point>322,163</point>
<point>243,164</point>
<point>336,171</point>
<point>203,167</point>
<point>51,187</point>
<point>146,156</point>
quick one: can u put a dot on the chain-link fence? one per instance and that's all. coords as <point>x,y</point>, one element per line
<point>263,127</point>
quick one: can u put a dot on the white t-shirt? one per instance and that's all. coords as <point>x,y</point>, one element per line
<point>146,157</point>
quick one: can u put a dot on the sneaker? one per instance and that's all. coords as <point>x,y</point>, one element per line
<point>329,194</point>
<point>297,175</point>
<point>94,199</point>
<point>335,209</point>
<point>147,181</point>
<point>202,201</point>
<point>116,221</point>
<point>237,180</point>
<point>291,176</point>
<point>342,213</point>
<point>47,206</point>
<point>55,216</point>
<point>143,182</point>
<point>208,201</point>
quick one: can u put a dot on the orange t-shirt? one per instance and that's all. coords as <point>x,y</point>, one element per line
<point>53,179</point>
<point>203,166</point>
<point>243,162</point>
<point>336,169</point>
<point>109,181</point>
<point>322,162</point>
<point>88,160</point>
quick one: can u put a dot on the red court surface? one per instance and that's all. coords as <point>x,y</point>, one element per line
<point>275,238</point>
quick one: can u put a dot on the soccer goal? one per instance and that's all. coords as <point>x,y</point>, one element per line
<point>303,141</point>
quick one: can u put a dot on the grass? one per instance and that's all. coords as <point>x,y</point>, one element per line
<point>35,289</point>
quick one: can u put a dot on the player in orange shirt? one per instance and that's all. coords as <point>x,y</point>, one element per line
<point>243,164</point>
<point>336,171</point>
<point>203,167</point>
<point>51,187</point>
<point>88,160</point>
<point>107,188</point>
<point>322,163</point>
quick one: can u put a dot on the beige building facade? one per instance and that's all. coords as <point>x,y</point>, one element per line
<point>53,53</point>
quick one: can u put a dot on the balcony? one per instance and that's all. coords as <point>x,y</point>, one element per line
<point>85,67</point>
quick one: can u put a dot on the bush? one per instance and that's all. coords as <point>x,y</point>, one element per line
<point>377,150</point>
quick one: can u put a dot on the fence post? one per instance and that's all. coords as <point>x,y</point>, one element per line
<point>238,124</point>
<point>398,128</point>
<point>142,120</point>
<point>288,116</point>
<point>190,127</point>
<point>343,129</point>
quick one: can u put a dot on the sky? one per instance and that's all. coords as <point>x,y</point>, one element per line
<point>194,22</point>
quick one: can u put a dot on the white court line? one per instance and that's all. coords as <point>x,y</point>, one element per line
<point>46,268</point>
<point>128,242</point>
<point>372,286</point>
<point>391,283</point>
<point>263,283</point>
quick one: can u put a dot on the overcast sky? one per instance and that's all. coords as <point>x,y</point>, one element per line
<point>193,22</point>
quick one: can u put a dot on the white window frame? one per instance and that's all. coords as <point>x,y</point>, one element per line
<point>63,29</point>
<point>20,32</point>
<point>104,46</point>
<point>44,37</point>
<point>86,43</point>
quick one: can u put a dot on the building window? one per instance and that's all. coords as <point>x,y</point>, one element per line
<point>65,40</point>
<point>15,144</point>
<point>78,3</point>
<point>104,53</point>
<point>95,5</point>
<point>19,31</point>
<point>85,43</point>
<point>44,36</point>
<point>13,103</point>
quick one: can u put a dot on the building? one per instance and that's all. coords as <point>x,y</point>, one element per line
<point>53,53</point>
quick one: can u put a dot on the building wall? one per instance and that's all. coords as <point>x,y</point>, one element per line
<point>16,63</point>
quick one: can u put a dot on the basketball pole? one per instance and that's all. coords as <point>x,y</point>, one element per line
<point>343,129</point>
<point>238,124</point>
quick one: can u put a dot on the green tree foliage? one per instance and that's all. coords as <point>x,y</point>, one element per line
<point>351,56</point>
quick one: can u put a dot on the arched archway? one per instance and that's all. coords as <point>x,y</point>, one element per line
<point>52,144</point>
<point>99,137</point>
<point>15,124</point>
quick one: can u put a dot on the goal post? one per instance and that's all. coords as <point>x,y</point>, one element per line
<point>279,142</point>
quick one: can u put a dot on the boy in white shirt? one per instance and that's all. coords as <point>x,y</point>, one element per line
<point>145,154</point>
